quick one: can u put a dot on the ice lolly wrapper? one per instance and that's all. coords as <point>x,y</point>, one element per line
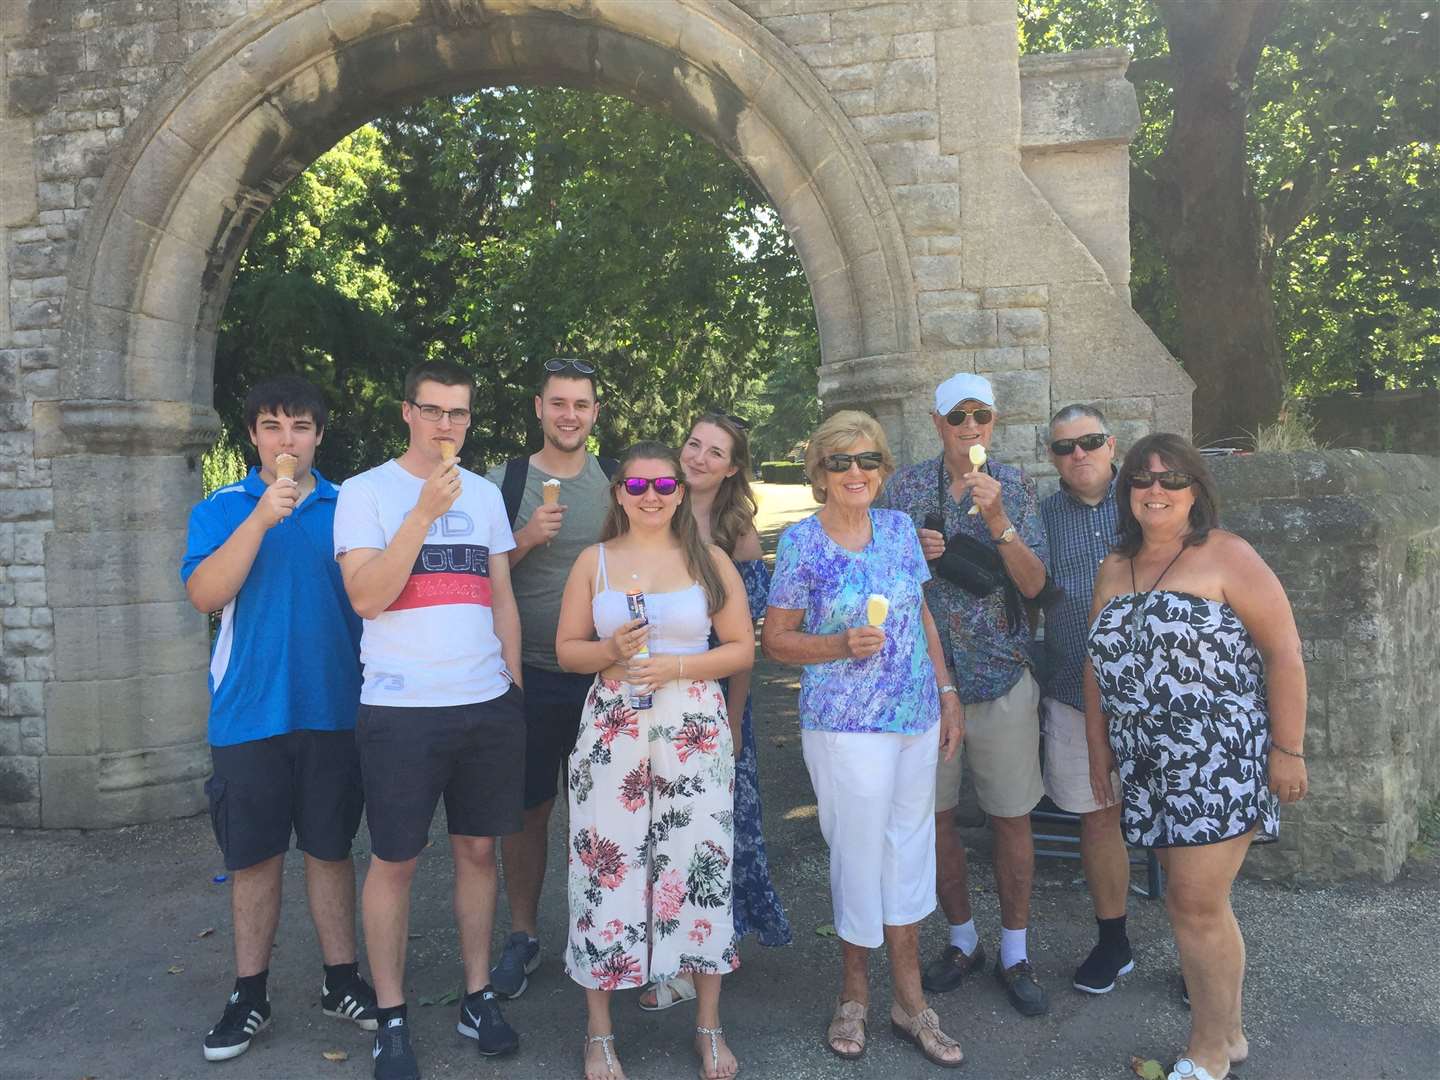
<point>447,447</point>
<point>285,466</point>
<point>876,608</point>
<point>551,490</point>
<point>977,460</point>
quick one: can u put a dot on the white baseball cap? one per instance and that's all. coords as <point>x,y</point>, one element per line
<point>963,387</point>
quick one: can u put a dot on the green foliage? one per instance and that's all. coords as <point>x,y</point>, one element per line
<point>502,228</point>
<point>222,464</point>
<point>782,472</point>
<point>1345,170</point>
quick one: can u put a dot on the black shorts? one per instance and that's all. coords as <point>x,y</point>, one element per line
<point>305,781</point>
<point>554,701</point>
<point>471,754</point>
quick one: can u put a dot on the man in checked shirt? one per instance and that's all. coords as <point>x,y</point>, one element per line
<point>1080,524</point>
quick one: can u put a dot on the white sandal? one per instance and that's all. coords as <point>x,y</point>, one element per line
<point>669,992</point>
<point>1185,1069</point>
<point>604,1041</point>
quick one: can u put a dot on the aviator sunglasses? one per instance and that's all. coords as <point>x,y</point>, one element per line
<point>956,417</point>
<point>869,460</point>
<point>1089,443</point>
<point>1170,481</point>
<point>638,485</point>
<point>582,366</point>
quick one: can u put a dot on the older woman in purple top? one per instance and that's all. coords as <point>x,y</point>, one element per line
<point>874,720</point>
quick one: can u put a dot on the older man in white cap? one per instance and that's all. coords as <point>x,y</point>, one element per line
<point>980,527</point>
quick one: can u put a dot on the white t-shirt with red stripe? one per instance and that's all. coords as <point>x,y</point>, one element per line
<point>436,644</point>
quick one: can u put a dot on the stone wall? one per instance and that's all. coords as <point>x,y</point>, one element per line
<point>954,209</point>
<point>1355,538</point>
<point>1391,421</point>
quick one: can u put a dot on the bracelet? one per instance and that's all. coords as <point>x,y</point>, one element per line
<point>1288,753</point>
<point>949,689</point>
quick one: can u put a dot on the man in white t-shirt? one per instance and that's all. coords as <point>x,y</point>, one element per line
<point>422,547</point>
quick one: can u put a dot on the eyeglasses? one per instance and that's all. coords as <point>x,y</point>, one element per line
<point>1089,443</point>
<point>738,421</point>
<point>560,364</point>
<point>956,417</point>
<point>869,460</point>
<point>1170,481</point>
<point>638,485</point>
<point>433,413</point>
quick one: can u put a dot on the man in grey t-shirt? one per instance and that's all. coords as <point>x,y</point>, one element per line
<point>546,545</point>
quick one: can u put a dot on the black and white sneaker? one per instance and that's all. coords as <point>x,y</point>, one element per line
<point>241,1022</point>
<point>1098,973</point>
<point>394,1057</point>
<point>352,1000</point>
<point>481,1020</point>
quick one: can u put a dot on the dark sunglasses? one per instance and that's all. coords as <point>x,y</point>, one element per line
<point>1089,443</point>
<point>956,417</point>
<point>638,485</point>
<point>1170,481</point>
<point>582,366</point>
<point>870,460</point>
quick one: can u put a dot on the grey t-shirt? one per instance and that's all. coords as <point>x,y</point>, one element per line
<point>539,578</point>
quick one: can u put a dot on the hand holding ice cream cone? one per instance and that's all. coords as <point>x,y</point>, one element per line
<point>447,447</point>
<point>285,466</point>
<point>977,460</point>
<point>877,607</point>
<point>550,491</point>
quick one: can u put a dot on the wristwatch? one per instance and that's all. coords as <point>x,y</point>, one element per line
<point>948,689</point>
<point>1006,536</point>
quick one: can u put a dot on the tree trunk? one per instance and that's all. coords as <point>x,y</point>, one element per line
<point>1209,219</point>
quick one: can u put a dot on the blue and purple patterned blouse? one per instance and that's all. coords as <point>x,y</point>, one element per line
<point>894,690</point>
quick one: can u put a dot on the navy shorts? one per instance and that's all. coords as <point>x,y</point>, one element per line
<point>554,701</point>
<point>307,782</point>
<point>471,755</point>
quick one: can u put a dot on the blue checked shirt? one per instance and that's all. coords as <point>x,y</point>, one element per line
<point>1080,538</point>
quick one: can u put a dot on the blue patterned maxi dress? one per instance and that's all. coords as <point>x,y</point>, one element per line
<point>757,908</point>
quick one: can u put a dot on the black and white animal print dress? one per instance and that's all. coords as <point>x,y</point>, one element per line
<point>1183,687</point>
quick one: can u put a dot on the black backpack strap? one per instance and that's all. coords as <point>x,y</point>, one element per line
<point>512,488</point>
<point>609,465</point>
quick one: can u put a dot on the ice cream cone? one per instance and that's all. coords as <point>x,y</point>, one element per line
<point>285,466</point>
<point>551,490</point>
<point>876,608</point>
<point>977,462</point>
<point>447,447</point>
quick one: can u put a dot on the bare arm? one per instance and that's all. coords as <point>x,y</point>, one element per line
<point>952,712</point>
<point>217,580</point>
<point>575,646</point>
<point>506,614</point>
<point>539,529</point>
<point>782,639</point>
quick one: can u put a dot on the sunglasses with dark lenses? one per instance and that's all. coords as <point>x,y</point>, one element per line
<point>870,460</point>
<point>584,367</point>
<point>1170,481</point>
<point>1089,443</point>
<point>956,417</point>
<point>638,485</point>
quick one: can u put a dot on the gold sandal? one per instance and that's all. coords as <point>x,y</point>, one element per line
<point>847,1025</point>
<point>923,1028</point>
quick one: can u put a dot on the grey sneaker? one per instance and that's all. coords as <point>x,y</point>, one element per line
<point>521,957</point>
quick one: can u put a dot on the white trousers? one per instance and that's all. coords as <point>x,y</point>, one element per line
<point>876,797</point>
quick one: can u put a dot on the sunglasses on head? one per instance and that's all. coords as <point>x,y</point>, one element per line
<point>638,485</point>
<point>1089,443</point>
<point>1171,480</point>
<point>584,367</point>
<point>869,460</point>
<point>956,417</point>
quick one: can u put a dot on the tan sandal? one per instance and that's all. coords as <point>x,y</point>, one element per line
<point>923,1030</point>
<point>847,1025</point>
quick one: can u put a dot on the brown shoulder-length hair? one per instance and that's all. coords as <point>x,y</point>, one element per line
<point>1177,453</point>
<point>734,509</point>
<point>697,558</point>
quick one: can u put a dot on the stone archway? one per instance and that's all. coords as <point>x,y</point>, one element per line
<point>125,738</point>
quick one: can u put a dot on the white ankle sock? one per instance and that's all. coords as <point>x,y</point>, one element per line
<point>964,937</point>
<point>1012,947</point>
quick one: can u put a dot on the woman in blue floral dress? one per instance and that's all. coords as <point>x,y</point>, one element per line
<point>716,458</point>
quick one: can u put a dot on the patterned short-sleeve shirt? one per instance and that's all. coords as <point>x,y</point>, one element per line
<point>894,690</point>
<point>986,652</point>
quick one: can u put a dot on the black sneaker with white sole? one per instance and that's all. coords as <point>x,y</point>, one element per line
<point>394,1057</point>
<point>241,1022</point>
<point>353,1000</point>
<point>1105,963</point>
<point>481,1020</point>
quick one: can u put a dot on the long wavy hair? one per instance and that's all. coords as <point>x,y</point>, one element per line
<point>682,524</point>
<point>733,513</point>
<point>1177,453</point>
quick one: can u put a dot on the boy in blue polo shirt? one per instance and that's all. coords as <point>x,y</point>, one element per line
<point>285,686</point>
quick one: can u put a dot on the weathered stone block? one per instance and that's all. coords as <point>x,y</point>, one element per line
<point>897,127</point>
<point>1022,395</point>
<point>1009,358</point>
<point>948,300</point>
<point>926,209</point>
<point>906,86</point>
<point>19,780</point>
<point>121,640</point>
<point>1023,326</point>
<point>936,272</point>
<point>92,717</point>
<point>28,642</point>
<point>91,793</point>
<point>800,29</point>
<point>959,329</point>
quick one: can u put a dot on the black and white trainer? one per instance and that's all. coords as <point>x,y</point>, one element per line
<point>353,999</point>
<point>1105,963</point>
<point>241,1022</point>
<point>482,1020</point>
<point>394,1057</point>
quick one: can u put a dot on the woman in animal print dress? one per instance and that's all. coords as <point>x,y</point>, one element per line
<point>1196,694</point>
